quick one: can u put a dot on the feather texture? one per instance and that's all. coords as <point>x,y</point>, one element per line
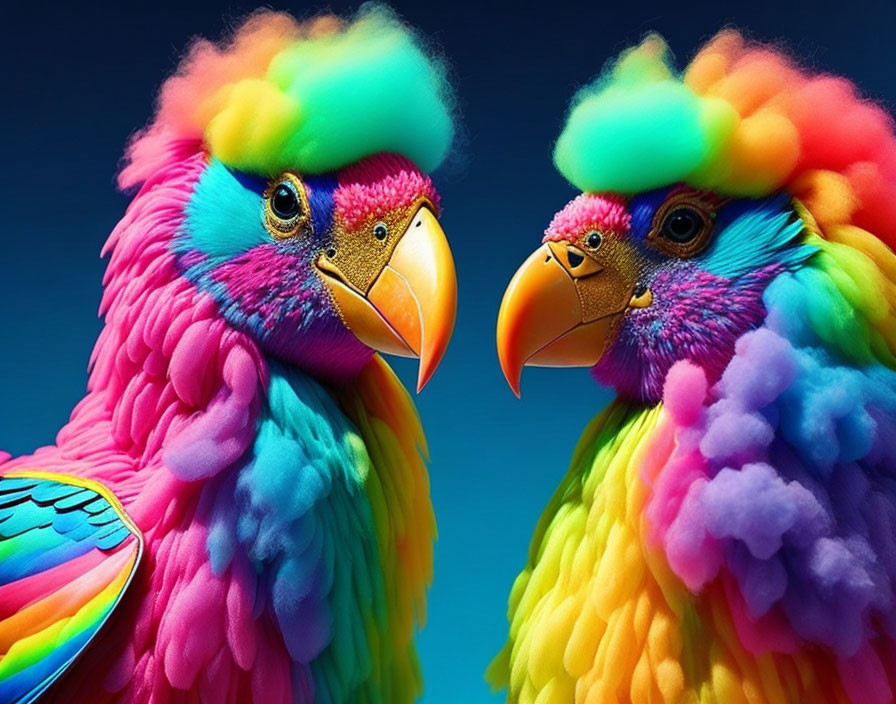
<point>273,467</point>
<point>67,555</point>
<point>629,629</point>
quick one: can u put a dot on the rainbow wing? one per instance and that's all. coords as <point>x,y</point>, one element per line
<point>68,552</point>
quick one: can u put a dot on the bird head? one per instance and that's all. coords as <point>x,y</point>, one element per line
<point>698,191</point>
<point>630,285</point>
<point>313,224</point>
<point>323,269</point>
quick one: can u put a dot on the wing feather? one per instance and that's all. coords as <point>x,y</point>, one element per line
<point>68,552</point>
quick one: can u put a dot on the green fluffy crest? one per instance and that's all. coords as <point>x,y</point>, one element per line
<point>639,127</point>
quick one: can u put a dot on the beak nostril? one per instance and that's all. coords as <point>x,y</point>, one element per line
<point>575,259</point>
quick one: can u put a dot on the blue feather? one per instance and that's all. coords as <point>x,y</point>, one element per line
<point>76,500</point>
<point>224,218</point>
<point>753,234</point>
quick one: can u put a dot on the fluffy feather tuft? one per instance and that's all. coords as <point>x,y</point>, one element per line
<point>280,94</point>
<point>786,484</point>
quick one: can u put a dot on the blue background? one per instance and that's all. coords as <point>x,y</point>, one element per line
<point>77,80</point>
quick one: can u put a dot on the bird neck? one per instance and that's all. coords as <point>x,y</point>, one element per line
<point>332,506</point>
<point>599,581</point>
<point>590,564</point>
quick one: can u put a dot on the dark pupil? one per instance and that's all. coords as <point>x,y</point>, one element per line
<point>380,232</point>
<point>682,225</point>
<point>284,203</point>
<point>594,240</point>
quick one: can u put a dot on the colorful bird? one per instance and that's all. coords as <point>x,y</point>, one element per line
<point>727,528</point>
<point>238,510</point>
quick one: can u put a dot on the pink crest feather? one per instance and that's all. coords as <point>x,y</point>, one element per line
<point>383,182</point>
<point>605,213</point>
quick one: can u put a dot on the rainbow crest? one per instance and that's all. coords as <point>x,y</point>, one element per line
<point>742,119</point>
<point>311,97</point>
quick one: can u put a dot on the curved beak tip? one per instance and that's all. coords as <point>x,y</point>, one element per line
<point>527,313</point>
<point>541,320</point>
<point>436,338</point>
<point>512,372</point>
<point>424,374</point>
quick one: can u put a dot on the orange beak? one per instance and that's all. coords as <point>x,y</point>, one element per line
<point>562,307</point>
<point>410,307</point>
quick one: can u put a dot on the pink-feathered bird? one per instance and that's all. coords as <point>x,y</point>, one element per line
<point>238,510</point>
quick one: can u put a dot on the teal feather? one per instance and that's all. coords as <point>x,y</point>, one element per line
<point>14,484</point>
<point>50,493</point>
<point>12,498</point>
<point>219,200</point>
<point>101,518</point>
<point>76,500</point>
<point>23,518</point>
<point>755,235</point>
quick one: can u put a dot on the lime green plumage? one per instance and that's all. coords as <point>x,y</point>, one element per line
<point>847,297</point>
<point>568,593</point>
<point>639,127</point>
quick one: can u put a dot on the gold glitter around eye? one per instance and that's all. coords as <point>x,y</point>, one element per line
<point>286,212</point>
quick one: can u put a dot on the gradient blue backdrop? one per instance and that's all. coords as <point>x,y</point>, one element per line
<point>78,80</point>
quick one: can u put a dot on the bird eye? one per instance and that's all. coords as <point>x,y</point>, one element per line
<point>380,231</point>
<point>593,240</point>
<point>285,209</point>
<point>682,225</point>
<point>285,203</point>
